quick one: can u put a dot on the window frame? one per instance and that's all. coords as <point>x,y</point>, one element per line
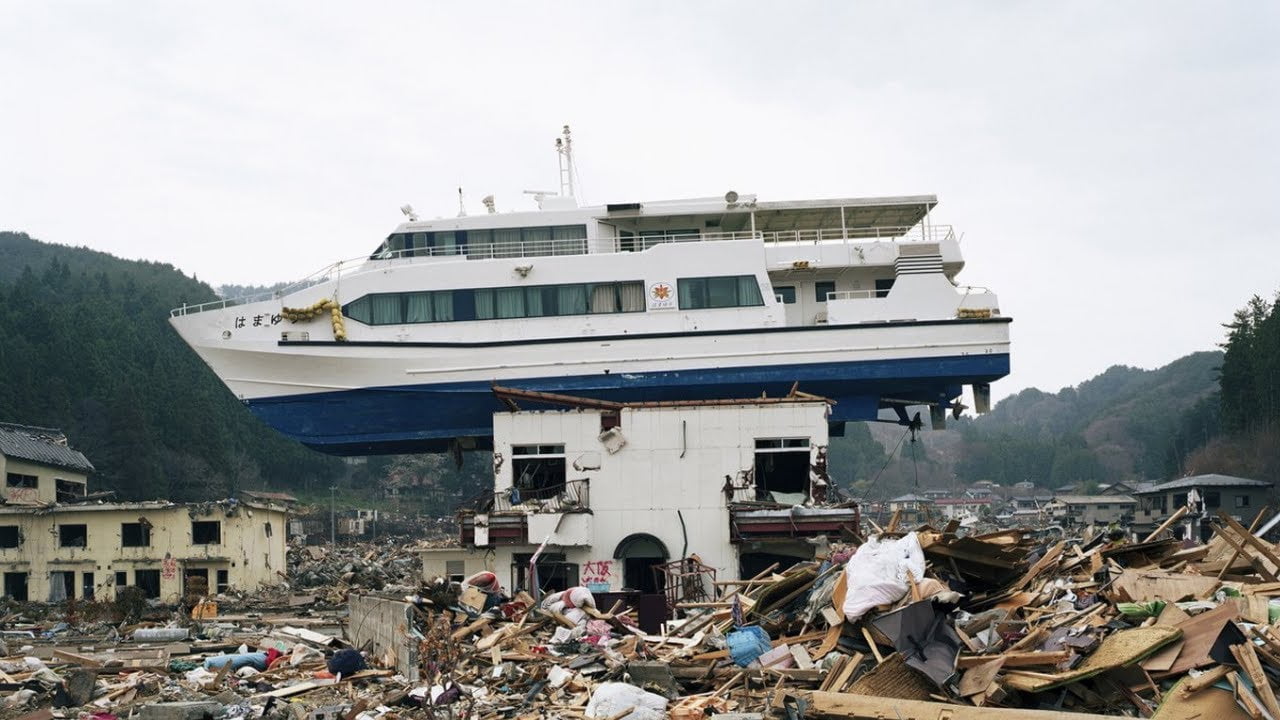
<point>63,529</point>
<point>23,480</point>
<point>818,285</point>
<point>696,292</point>
<point>144,531</point>
<point>217,523</point>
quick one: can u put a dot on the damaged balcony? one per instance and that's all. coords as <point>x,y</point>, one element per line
<point>560,514</point>
<point>758,521</point>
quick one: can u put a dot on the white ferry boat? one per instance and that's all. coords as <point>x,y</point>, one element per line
<point>854,299</point>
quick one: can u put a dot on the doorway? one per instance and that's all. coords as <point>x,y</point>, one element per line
<point>639,553</point>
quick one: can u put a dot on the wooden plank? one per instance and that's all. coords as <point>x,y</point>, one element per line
<point>1167,523</point>
<point>1263,548</point>
<point>1252,526</point>
<point>1016,659</point>
<point>866,707</point>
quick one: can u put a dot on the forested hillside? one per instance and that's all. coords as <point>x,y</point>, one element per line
<point>85,346</point>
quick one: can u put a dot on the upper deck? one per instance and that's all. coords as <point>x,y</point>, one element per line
<point>635,227</point>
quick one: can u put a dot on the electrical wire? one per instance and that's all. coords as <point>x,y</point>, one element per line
<point>888,460</point>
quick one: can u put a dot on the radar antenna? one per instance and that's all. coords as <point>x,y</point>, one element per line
<point>462,206</point>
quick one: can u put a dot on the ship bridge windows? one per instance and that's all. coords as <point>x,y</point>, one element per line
<point>483,244</point>
<point>719,292</point>
<point>497,303</point>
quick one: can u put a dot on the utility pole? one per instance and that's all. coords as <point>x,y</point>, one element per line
<point>333,519</point>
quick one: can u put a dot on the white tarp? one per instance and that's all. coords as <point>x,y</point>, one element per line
<point>877,573</point>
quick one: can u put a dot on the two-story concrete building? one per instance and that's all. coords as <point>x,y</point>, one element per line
<point>55,544</point>
<point>1241,498</point>
<point>1081,510</point>
<point>601,495</point>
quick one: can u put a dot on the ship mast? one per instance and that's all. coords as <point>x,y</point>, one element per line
<point>564,148</point>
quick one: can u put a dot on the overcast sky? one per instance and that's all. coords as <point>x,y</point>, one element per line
<point>1114,167</point>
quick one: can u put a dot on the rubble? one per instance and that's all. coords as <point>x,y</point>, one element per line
<point>972,627</point>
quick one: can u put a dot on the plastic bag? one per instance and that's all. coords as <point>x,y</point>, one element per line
<point>748,643</point>
<point>877,573</point>
<point>611,698</point>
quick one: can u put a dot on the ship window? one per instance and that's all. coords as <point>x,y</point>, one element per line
<point>822,289</point>
<point>786,294</point>
<point>499,303</point>
<point>883,286</point>
<point>719,292</point>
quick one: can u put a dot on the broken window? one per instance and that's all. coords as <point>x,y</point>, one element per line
<point>1242,501</point>
<point>539,471</point>
<point>10,536</point>
<point>87,586</point>
<point>148,581</point>
<point>15,586</point>
<point>455,570</point>
<point>73,536</point>
<point>122,579</point>
<point>1212,500</point>
<point>206,532</point>
<point>195,581</point>
<point>554,574</point>
<point>68,490</point>
<point>18,480</point>
<point>135,534</point>
<point>782,470</point>
<point>62,585</point>
<point>224,583</point>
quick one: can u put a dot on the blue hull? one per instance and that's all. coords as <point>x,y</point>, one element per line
<point>426,418</point>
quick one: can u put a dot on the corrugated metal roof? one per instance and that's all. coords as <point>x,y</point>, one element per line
<point>1197,481</point>
<point>41,445</point>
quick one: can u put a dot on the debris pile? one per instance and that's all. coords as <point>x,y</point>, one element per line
<point>921,623</point>
<point>389,565</point>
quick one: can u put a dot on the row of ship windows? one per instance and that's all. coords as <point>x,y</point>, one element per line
<point>546,301</point>
<point>518,242</point>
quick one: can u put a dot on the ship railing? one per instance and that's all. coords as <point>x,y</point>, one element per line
<point>566,497</point>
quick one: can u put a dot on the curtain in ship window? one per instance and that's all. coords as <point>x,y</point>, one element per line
<point>445,243</point>
<point>722,292</point>
<point>418,309</point>
<point>358,309</point>
<point>693,293</point>
<point>537,241</point>
<point>442,303</point>
<point>484,305</point>
<point>632,296</point>
<point>506,243</point>
<point>571,300</point>
<point>533,302</point>
<point>510,302</point>
<point>748,291</point>
<point>386,309</point>
<point>564,237</point>
<point>603,298</point>
<point>479,243</point>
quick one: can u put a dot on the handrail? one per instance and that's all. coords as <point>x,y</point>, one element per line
<point>583,246</point>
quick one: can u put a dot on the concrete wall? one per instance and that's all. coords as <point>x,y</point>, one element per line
<point>46,490</point>
<point>675,463</point>
<point>250,555</point>
<point>435,561</point>
<point>382,627</point>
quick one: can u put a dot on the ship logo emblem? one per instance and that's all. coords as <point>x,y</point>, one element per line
<point>661,291</point>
